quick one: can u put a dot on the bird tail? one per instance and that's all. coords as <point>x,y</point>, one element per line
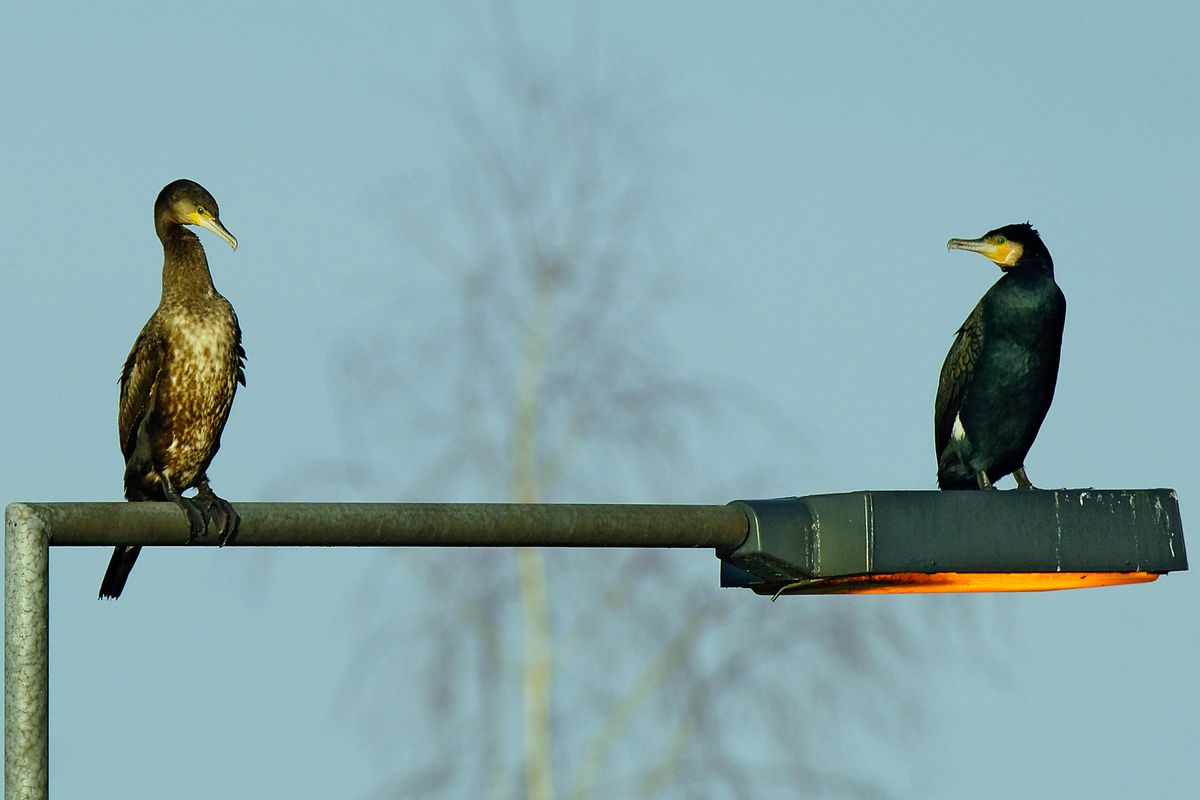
<point>141,483</point>
<point>953,473</point>
<point>118,571</point>
<point>954,482</point>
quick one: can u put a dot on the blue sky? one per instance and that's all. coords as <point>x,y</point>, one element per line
<point>814,161</point>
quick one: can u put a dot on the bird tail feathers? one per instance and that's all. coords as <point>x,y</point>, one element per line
<point>118,571</point>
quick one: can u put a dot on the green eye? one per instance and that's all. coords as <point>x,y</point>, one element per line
<point>200,210</point>
<point>999,240</point>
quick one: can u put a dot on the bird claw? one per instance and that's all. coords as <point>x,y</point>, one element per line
<point>202,510</point>
<point>1022,479</point>
<point>222,512</point>
<point>229,521</point>
<point>197,517</point>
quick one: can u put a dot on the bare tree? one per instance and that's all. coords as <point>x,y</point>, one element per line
<point>535,372</point>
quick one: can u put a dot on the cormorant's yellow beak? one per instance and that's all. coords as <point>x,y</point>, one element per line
<point>207,221</point>
<point>1002,252</point>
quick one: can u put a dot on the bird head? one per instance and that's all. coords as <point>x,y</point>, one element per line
<point>1009,247</point>
<point>185,202</point>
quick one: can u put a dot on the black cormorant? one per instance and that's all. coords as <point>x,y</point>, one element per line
<point>179,379</point>
<point>999,376</point>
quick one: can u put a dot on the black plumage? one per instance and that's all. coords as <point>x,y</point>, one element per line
<point>998,379</point>
<point>180,378</point>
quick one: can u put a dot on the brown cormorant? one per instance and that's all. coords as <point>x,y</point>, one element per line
<point>999,376</point>
<point>179,379</point>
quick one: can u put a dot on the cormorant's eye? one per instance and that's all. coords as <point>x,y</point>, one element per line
<point>999,240</point>
<point>200,210</point>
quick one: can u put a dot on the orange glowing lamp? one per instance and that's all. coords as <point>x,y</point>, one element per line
<point>965,541</point>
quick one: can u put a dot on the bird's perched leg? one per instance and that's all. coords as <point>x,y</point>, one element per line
<point>1022,479</point>
<point>984,481</point>
<point>220,510</point>
<point>197,515</point>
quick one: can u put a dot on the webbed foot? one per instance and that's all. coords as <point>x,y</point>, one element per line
<point>219,510</point>
<point>197,515</point>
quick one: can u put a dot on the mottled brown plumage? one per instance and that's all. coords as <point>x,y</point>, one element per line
<point>179,380</point>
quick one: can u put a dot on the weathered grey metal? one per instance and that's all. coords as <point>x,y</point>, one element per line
<point>32,527</point>
<point>761,543</point>
<point>407,524</point>
<point>26,654</point>
<point>864,533</point>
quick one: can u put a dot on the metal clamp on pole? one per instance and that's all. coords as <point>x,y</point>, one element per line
<point>778,547</point>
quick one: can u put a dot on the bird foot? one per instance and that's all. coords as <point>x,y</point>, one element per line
<point>984,481</point>
<point>219,510</point>
<point>197,516</point>
<point>203,509</point>
<point>1022,479</point>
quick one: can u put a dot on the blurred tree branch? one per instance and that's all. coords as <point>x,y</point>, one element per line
<point>538,372</point>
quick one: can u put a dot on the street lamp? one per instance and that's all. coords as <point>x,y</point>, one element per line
<point>860,542</point>
<point>964,541</point>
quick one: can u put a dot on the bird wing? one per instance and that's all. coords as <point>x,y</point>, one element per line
<point>1043,390</point>
<point>139,381</point>
<point>241,351</point>
<point>956,376</point>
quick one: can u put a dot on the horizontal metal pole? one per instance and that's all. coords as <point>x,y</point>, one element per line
<point>404,524</point>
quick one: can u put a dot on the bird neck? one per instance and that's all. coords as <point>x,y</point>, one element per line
<point>1034,268</point>
<point>185,267</point>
